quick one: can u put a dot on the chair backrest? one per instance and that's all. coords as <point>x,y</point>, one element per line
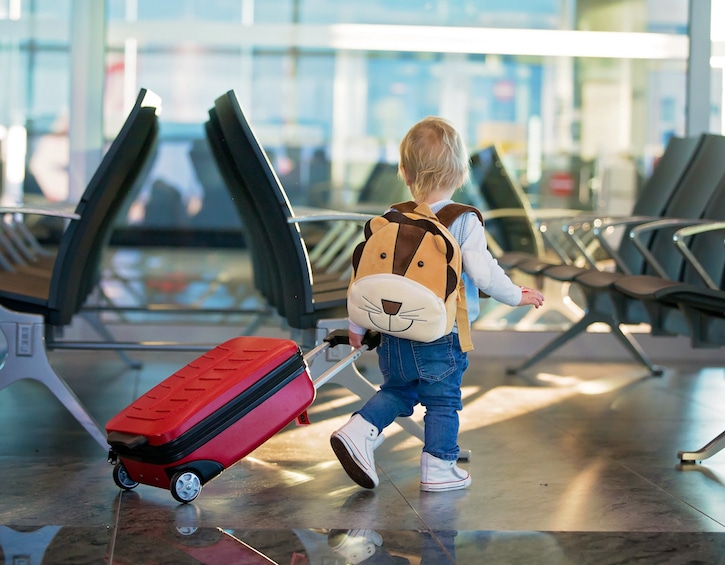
<point>499,190</point>
<point>708,248</point>
<point>667,177</point>
<point>383,186</point>
<point>264,272</point>
<point>78,262</point>
<point>695,198</point>
<point>286,245</point>
<point>217,209</point>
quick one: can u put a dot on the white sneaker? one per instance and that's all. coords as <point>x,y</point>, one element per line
<point>438,475</point>
<point>355,546</point>
<point>354,444</point>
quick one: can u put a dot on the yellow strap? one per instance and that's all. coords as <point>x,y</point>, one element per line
<point>464,328</point>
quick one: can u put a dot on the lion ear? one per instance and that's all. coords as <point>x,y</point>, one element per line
<point>377,223</point>
<point>374,224</point>
<point>441,243</point>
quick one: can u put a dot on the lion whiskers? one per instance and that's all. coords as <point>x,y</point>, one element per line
<point>371,307</point>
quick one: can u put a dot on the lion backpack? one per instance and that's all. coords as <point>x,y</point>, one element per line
<point>406,278</point>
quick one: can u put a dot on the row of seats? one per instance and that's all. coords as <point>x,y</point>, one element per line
<point>667,269</point>
<point>687,187</point>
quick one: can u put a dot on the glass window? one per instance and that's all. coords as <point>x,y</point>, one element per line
<point>331,86</point>
<point>477,13</point>
<point>34,101</point>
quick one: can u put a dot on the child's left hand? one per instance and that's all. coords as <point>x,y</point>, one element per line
<point>355,339</point>
<point>530,296</point>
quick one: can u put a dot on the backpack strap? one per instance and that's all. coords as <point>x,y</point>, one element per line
<point>464,327</point>
<point>448,214</point>
<point>405,207</point>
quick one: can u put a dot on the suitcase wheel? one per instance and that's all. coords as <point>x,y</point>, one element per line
<point>185,486</point>
<point>121,478</point>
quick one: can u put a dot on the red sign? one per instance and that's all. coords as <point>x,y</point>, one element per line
<point>561,183</point>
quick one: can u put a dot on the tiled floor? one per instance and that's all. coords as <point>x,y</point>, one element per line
<point>576,463</point>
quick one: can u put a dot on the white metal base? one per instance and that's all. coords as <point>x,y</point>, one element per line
<point>27,358</point>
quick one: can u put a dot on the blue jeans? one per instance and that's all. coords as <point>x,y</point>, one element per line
<point>425,373</point>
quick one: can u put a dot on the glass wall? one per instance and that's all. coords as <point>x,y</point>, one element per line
<point>34,98</point>
<point>580,96</point>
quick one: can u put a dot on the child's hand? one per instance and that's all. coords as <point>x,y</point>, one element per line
<point>355,339</point>
<point>530,296</point>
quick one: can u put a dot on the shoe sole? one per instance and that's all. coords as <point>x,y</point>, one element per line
<point>444,487</point>
<point>348,462</point>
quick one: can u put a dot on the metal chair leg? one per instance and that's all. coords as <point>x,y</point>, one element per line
<point>708,450</point>
<point>555,344</point>
<point>620,333</point>
<point>94,320</point>
<point>635,349</point>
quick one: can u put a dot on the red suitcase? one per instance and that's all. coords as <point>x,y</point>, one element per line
<point>213,412</point>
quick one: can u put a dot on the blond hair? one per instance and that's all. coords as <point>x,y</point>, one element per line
<point>433,156</point>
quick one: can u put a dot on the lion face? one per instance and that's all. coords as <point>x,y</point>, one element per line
<point>402,279</point>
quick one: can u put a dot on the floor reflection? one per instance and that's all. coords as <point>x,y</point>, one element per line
<point>175,544</point>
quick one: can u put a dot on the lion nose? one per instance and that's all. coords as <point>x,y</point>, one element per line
<point>391,308</point>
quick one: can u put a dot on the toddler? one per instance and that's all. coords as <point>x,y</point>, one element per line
<point>434,164</point>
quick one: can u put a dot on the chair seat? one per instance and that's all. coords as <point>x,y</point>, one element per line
<point>25,285</point>
<point>645,287</point>
<point>597,280</point>
<point>711,301</point>
<point>512,259</point>
<point>564,273</point>
<point>536,266</point>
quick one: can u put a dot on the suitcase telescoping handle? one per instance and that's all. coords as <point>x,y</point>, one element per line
<point>340,337</point>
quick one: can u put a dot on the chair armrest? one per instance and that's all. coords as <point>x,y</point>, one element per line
<point>336,246</point>
<point>325,215</point>
<point>17,239</point>
<point>535,215</point>
<point>682,234</point>
<point>537,218</point>
<point>637,232</point>
<point>571,225</point>
<point>40,211</point>
<point>600,226</point>
<point>503,213</point>
<point>549,221</point>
